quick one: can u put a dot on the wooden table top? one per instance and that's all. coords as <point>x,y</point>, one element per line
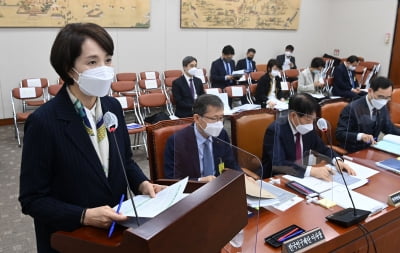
<point>309,216</point>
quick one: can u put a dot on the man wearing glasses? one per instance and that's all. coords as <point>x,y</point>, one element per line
<point>362,121</point>
<point>201,150</point>
<point>289,138</point>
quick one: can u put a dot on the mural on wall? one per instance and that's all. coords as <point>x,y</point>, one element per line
<point>58,13</point>
<point>240,14</point>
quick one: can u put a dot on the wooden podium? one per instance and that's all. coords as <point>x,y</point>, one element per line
<point>204,221</point>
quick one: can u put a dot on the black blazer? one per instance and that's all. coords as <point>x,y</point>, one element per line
<point>342,84</point>
<point>61,173</point>
<point>281,59</point>
<point>355,118</point>
<point>183,97</point>
<point>181,156</point>
<point>218,73</point>
<point>264,87</point>
<point>279,149</point>
<point>242,64</point>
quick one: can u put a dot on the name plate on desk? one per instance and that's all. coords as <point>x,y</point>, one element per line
<point>394,199</point>
<point>304,242</point>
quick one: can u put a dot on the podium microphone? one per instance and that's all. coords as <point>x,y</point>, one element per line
<point>111,123</point>
<point>349,216</point>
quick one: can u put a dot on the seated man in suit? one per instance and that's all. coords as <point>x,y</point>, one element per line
<point>288,138</point>
<point>186,88</point>
<point>221,71</point>
<point>287,60</point>
<point>344,79</point>
<point>198,151</point>
<point>362,121</point>
<point>248,64</point>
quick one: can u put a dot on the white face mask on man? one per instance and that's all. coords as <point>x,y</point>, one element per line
<point>378,103</point>
<point>304,128</point>
<point>275,73</point>
<point>95,82</point>
<point>213,129</point>
<point>192,71</point>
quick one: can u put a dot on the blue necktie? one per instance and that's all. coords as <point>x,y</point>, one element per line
<point>351,79</point>
<point>208,159</point>
<point>249,66</point>
<point>227,68</point>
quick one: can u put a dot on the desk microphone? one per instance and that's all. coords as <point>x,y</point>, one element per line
<point>111,123</point>
<point>349,216</point>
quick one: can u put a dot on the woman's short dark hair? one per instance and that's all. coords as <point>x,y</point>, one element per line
<point>271,63</point>
<point>201,104</point>
<point>317,62</point>
<point>68,46</point>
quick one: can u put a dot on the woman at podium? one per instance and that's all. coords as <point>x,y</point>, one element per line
<point>71,171</point>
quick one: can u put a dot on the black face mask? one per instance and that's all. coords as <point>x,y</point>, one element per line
<point>250,58</point>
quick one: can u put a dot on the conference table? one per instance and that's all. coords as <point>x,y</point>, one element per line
<point>384,227</point>
<point>381,229</point>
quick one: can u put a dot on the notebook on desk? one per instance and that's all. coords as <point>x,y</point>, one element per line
<point>389,143</point>
<point>392,164</point>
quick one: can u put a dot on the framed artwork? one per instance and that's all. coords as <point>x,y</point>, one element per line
<point>58,13</point>
<point>240,14</point>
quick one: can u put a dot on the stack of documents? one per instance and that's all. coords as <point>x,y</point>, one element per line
<point>336,190</point>
<point>277,198</point>
<point>389,143</point>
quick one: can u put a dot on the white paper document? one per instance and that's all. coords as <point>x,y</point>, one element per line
<point>150,75</point>
<point>237,91</point>
<point>27,92</point>
<point>338,194</point>
<point>246,107</point>
<point>34,82</point>
<point>212,91</point>
<point>282,196</point>
<point>150,84</point>
<point>200,74</point>
<point>148,207</point>
<point>389,143</point>
<point>123,102</point>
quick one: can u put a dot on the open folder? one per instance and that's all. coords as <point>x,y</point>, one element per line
<point>389,143</point>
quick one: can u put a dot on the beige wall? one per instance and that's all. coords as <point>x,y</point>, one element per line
<point>353,26</point>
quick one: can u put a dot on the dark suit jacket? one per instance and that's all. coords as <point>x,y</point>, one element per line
<point>279,149</point>
<point>218,73</point>
<point>61,173</point>
<point>355,118</point>
<point>183,97</point>
<point>281,59</point>
<point>264,87</point>
<point>242,64</point>
<point>181,156</point>
<point>341,82</point>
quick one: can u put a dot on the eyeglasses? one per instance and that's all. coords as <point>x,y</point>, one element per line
<point>383,97</point>
<point>214,119</point>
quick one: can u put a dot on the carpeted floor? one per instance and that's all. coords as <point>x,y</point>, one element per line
<point>16,229</point>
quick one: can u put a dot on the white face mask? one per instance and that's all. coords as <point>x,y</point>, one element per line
<point>192,71</point>
<point>305,128</point>
<point>214,129</point>
<point>275,73</point>
<point>351,68</point>
<point>288,53</point>
<point>95,82</point>
<point>378,103</point>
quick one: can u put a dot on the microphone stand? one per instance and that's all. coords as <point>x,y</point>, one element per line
<point>112,130</point>
<point>349,216</point>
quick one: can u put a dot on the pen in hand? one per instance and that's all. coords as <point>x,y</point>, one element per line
<point>112,227</point>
